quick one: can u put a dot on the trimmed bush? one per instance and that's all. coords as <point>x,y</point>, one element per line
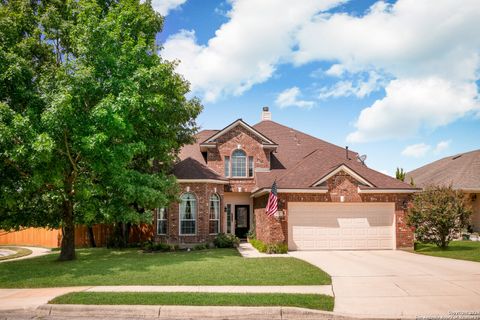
<point>269,248</point>
<point>223,240</point>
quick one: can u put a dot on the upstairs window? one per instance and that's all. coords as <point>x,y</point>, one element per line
<point>227,166</point>
<point>239,163</point>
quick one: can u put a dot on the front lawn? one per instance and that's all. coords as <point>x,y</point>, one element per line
<point>464,250</point>
<point>132,267</point>
<point>311,301</point>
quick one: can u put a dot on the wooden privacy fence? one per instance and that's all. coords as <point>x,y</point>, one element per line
<point>52,238</point>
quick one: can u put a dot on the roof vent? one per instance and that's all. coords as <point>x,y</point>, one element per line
<point>266,115</point>
<point>456,157</point>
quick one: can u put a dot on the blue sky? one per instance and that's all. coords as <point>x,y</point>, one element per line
<point>397,80</point>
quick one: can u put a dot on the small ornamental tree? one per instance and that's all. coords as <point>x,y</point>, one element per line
<point>438,214</point>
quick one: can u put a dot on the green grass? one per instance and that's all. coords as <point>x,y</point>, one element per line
<point>311,301</point>
<point>463,250</point>
<point>20,252</point>
<point>132,267</point>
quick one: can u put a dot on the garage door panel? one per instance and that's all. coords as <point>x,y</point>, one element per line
<point>334,226</point>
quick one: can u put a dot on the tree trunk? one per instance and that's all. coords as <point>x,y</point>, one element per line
<point>68,233</point>
<point>91,237</point>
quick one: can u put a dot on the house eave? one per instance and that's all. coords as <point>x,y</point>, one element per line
<point>379,190</point>
<point>202,181</point>
<point>261,192</point>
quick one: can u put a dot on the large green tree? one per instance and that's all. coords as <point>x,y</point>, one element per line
<point>91,117</point>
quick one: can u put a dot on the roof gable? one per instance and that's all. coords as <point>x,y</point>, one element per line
<point>212,139</point>
<point>347,170</point>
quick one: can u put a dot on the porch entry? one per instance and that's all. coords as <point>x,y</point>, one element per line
<point>242,220</point>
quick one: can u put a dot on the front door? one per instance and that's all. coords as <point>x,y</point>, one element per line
<point>242,220</point>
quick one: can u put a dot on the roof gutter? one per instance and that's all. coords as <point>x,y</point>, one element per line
<point>261,192</point>
<point>202,181</point>
<point>389,190</point>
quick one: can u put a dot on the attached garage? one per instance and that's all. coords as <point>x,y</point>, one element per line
<point>340,226</point>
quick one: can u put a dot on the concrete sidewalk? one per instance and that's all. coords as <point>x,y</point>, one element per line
<point>36,252</point>
<point>326,289</point>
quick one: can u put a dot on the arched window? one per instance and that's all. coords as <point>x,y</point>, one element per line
<point>188,214</point>
<point>214,226</point>
<point>239,163</point>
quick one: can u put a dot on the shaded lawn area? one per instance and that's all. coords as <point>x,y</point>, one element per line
<point>311,301</point>
<point>463,250</point>
<point>132,267</point>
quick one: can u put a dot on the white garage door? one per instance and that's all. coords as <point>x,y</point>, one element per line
<point>337,226</point>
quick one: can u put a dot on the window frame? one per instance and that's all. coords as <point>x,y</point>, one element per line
<point>164,220</point>
<point>245,166</point>
<point>218,214</point>
<point>194,213</point>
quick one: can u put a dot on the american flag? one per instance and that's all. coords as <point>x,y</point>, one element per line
<point>272,205</point>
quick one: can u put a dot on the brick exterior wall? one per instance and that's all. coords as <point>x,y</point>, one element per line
<point>202,191</point>
<point>270,230</point>
<point>231,141</point>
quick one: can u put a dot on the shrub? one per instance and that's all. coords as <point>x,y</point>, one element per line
<point>269,248</point>
<point>150,246</point>
<point>223,240</point>
<point>259,245</point>
<point>201,246</point>
<point>251,234</point>
<point>277,248</point>
<point>438,215</point>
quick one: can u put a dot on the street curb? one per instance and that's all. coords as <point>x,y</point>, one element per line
<point>194,312</point>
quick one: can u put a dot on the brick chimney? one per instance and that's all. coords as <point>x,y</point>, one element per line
<point>266,115</point>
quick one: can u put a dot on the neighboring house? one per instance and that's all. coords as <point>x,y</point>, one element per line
<point>328,199</point>
<point>461,171</point>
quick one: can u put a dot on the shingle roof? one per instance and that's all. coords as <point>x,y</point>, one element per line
<point>192,169</point>
<point>298,162</point>
<point>462,171</point>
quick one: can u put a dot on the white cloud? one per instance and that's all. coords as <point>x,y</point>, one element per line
<point>165,6</point>
<point>336,70</point>
<point>290,98</point>
<point>430,49</point>
<point>416,150</point>
<point>245,50</point>
<point>411,104</point>
<point>442,145</point>
<point>359,88</point>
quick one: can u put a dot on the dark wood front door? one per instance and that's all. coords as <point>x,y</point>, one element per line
<point>242,220</point>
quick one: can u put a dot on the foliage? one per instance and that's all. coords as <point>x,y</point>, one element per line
<point>150,246</point>
<point>251,234</point>
<point>438,215</point>
<point>312,301</point>
<point>412,183</point>
<point>400,174</point>
<point>269,248</point>
<point>464,250</point>
<point>91,117</point>
<point>101,266</point>
<point>202,246</point>
<point>226,240</point>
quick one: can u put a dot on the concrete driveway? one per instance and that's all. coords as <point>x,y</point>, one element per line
<point>398,283</point>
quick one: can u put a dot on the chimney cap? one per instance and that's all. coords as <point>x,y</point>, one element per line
<point>265,108</point>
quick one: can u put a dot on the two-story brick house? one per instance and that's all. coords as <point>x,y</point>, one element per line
<point>328,198</point>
